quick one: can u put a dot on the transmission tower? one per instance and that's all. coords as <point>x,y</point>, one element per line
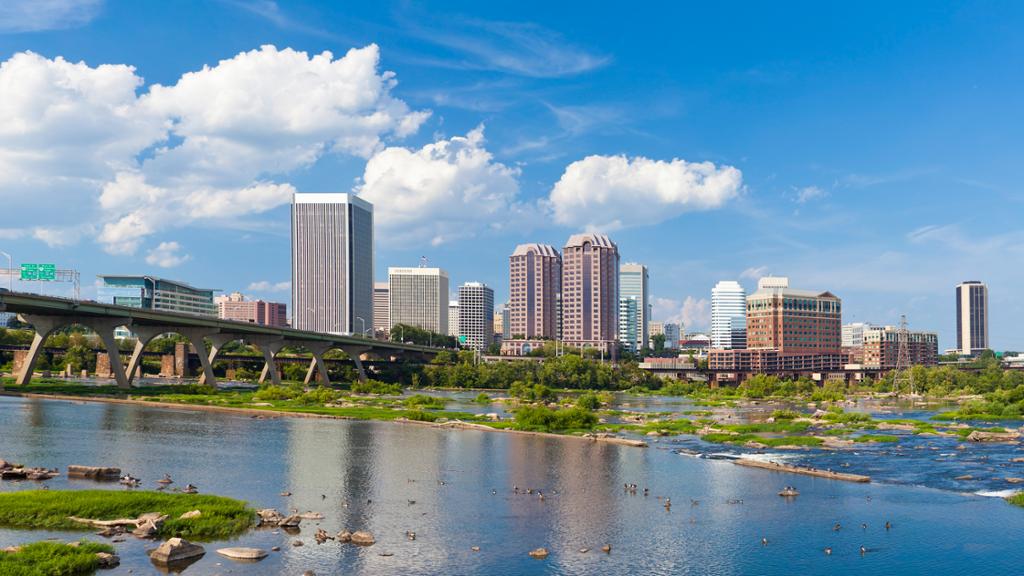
<point>902,377</point>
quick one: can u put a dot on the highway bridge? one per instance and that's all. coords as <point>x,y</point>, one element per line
<point>47,314</point>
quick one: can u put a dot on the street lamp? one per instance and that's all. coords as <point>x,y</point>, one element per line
<point>363,323</point>
<point>10,271</point>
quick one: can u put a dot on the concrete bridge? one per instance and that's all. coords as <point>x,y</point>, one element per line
<point>48,314</point>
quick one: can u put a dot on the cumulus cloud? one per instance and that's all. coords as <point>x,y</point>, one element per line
<point>613,192</point>
<point>267,286</point>
<point>445,190</point>
<point>696,313</point>
<point>36,15</point>
<point>212,146</point>
<point>167,255</point>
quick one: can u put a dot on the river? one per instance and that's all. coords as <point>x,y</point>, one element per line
<point>454,488</point>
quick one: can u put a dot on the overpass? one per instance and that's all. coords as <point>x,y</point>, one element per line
<point>48,314</point>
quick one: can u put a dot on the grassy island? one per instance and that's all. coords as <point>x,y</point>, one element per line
<point>50,510</point>
<point>52,559</point>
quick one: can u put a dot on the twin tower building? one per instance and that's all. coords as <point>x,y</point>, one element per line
<point>574,297</point>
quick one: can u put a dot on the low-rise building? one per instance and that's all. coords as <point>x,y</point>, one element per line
<point>152,293</point>
<point>237,308</point>
<point>881,348</point>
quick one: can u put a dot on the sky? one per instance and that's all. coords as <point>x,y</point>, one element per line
<point>870,149</point>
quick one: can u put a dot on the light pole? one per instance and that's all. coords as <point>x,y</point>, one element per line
<point>10,271</point>
<point>363,323</point>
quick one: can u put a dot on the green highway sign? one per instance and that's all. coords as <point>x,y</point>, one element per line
<point>38,272</point>
<point>462,339</point>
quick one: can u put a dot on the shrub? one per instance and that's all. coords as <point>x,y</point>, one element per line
<point>543,419</point>
<point>482,398</point>
<point>317,397</point>
<point>785,414</point>
<point>589,401</point>
<point>424,401</point>
<point>273,392</point>
<point>535,393</point>
<point>376,387</point>
<point>421,416</point>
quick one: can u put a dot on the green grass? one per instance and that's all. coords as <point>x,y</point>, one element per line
<point>955,415</point>
<point>49,510</point>
<point>52,559</point>
<point>720,438</point>
<point>1017,499</point>
<point>424,401</point>
<point>876,438</point>
<point>771,427</point>
<point>543,419</point>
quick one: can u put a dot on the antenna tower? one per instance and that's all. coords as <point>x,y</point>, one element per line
<point>902,377</point>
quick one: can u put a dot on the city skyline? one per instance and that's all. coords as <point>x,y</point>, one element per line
<point>868,216</point>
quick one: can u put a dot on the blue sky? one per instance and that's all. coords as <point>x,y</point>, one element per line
<point>872,150</point>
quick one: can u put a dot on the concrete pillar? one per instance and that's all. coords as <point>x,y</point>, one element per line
<point>46,325</point>
<point>146,334</point>
<point>181,368</point>
<point>270,346</point>
<point>355,353</point>
<point>167,366</point>
<point>103,365</point>
<point>317,363</point>
<point>218,340</point>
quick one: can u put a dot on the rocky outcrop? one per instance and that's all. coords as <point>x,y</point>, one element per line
<point>982,436</point>
<point>539,553</point>
<point>363,538</point>
<point>344,536</point>
<point>269,517</point>
<point>290,521</point>
<point>106,561</point>
<point>94,472</point>
<point>243,553</point>
<point>176,550</point>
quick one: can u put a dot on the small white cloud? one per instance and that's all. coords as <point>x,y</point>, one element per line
<point>60,237</point>
<point>613,192</point>
<point>267,286</point>
<point>166,255</point>
<point>696,313</point>
<point>36,15</point>
<point>754,273</point>
<point>808,193</point>
<point>12,233</point>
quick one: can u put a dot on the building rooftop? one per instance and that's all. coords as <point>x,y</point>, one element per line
<point>155,279</point>
<point>793,292</point>
<point>596,239</point>
<point>331,198</point>
<point>541,249</point>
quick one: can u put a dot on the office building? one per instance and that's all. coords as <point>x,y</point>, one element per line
<point>971,317</point>
<point>381,311</point>
<point>634,306</point>
<point>794,321</point>
<point>237,308</point>
<point>853,334</point>
<point>672,335</point>
<point>332,263</point>
<point>535,280</point>
<point>476,316</point>
<point>453,318</point>
<point>590,292</point>
<point>728,316</point>
<point>881,348</point>
<point>160,294</point>
<point>419,297</point>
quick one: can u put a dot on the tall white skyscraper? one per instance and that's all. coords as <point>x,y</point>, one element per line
<point>634,306</point>
<point>476,315</point>
<point>453,317</point>
<point>419,297</point>
<point>332,263</point>
<point>381,312</point>
<point>971,317</point>
<point>728,316</point>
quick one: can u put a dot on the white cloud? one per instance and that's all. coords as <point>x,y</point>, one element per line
<point>696,313</point>
<point>266,286</point>
<point>12,233</point>
<point>612,192</point>
<point>445,190</point>
<point>36,15</point>
<point>212,146</point>
<point>55,237</point>
<point>167,255</point>
<point>808,193</point>
<point>755,273</point>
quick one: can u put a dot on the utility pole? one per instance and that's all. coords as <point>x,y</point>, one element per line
<point>902,376</point>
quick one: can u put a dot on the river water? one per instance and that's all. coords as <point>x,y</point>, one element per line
<point>366,475</point>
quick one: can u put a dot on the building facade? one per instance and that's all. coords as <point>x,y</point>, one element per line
<point>971,317</point>
<point>535,281</point>
<point>728,316</point>
<point>453,318</point>
<point>794,321</point>
<point>672,335</point>
<point>590,292</point>
<point>237,308</point>
<point>419,297</point>
<point>332,263</point>
<point>634,284</point>
<point>853,334</point>
<point>476,316</point>
<point>152,293</point>
<point>381,310</point>
<point>881,348</point>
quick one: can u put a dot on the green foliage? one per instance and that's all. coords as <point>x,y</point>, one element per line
<point>840,417</point>
<point>785,414</point>
<point>543,419</point>
<point>534,393</point>
<point>53,559</point>
<point>273,392</point>
<point>49,510</point>
<point>877,438</point>
<point>424,401</point>
<point>589,401</point>
<point>421,415</point>
<point>417,335</point>
<point>563,372</point>
<point>722,438</point>
<point>482,398</point>
<point>771,427</point>
<point>1017,499</point>
<point>317,397</point>
<point>372,386</point>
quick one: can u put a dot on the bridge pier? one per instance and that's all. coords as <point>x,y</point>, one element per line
<point>219,339</point>
<point>317,364</point>
<point>146,334</point>
<point>270,346</point>
<point>355,353</point>
<point>46,325</point>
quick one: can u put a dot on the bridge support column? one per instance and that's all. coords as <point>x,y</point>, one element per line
<point>103,327</point>
<point>146,334</point>
<point>354,352</point>
<point>317,364</point>
<point>270,346</point>
<point>218,340</point>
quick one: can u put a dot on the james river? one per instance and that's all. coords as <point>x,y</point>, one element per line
<point>393,478</point>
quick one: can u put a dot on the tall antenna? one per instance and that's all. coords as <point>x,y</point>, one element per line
<point>902,377</point>
<point>423,261</point>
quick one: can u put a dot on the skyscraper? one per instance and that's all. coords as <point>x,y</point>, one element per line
<point>535,280</point>
<point>332,263</point>
<point>971,317</point>
<point>419,297</point>
<point>794,321</point>
<point>672,336</point>
<point>381,310</point>
<point>453,317</point>
<point>590,291</point>
<point>476,315</point>
<point>633,286</point>
<point>728,316</point>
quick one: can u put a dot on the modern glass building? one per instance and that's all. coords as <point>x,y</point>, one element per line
<point>728,316</point>
<point>476,315</point>
<point>971,317</point>
<point>419,297</point>
<point>634,306</point>
<point>332,263</point>
<point>152,293</point>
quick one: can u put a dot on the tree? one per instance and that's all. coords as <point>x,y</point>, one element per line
<point>659,343</point>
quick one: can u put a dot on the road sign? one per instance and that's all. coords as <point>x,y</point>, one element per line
<point>462,339</point>
<point>46,272</point>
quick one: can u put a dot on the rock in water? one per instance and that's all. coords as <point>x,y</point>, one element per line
<point>243,553</point>
<point>270,516</point>
<point>290,521</point>
<point>176,550</point>
<point>344,536</point>
<point>363,538</point>
<point>107,561</point>
<point>539,553</point>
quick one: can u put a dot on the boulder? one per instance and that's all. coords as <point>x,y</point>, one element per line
<point>539,553</point>
<point>363,538</point>
<point>270,516</point>
<point>964,477</point>
<point>243,553</point>
<point>94,472</point>
<point>191,514</point>
<point>344,536</point>
<point>981,436</point>
<point>176,550</point>
<point>291,521</point>
<point>1016,459</point>
<point>147,529</point>
<point>105,560</point>
<point>311,516</point>
<point>1013,480</point>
